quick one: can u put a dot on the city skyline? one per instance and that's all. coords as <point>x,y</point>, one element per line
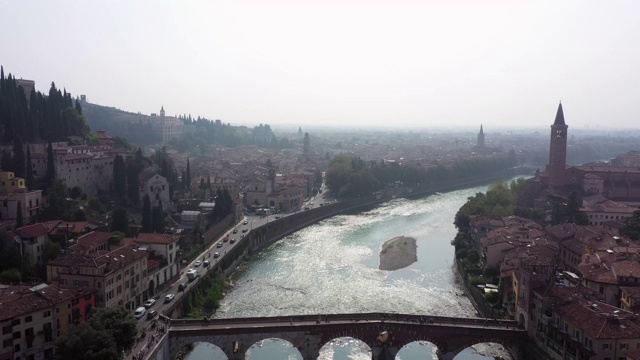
<point>390,64</point>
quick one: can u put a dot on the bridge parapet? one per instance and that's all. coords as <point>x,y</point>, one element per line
<point>308,333</point>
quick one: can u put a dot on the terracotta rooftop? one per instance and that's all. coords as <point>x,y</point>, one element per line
<point>154,238</point>
<point>35,230</point>
<point>21,299</point>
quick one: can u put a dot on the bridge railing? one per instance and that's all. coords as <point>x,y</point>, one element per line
<point>395,317</point>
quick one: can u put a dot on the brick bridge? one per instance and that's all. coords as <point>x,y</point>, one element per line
<point>309,333</point>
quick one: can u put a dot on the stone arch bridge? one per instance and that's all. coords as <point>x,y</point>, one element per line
<point>384,333</point>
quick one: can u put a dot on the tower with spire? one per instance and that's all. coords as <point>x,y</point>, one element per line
<point>480,144</point>
<point>306,146</point>
<point>162,111</point>
<point>557,151</point>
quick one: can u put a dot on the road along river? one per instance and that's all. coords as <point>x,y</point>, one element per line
<point>332,267</point>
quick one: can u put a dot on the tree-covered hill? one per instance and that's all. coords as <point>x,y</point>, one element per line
<point>53,116</point>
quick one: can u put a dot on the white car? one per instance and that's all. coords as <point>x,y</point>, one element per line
<point>245,222</point>
<point>169,297</point>
<point>140,312</point>
<point>197,263</point>
<point>149,303</point>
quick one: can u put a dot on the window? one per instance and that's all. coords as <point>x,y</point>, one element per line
<point>17,335</point>
<point>28,319</point>
<point>15,322</point>
<point>6,329</point>
<point>588,343</point>
<point>47,313</point>
<point>624,346</point>
<point>7,343</point>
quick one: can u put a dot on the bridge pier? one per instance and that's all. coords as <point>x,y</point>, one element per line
<point>384,353</point>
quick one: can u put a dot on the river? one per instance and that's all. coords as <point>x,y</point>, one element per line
<point>332,267</point>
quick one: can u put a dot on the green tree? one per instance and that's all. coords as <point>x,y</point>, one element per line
<point>19,161</point>
<point>51,251</point>
<point>147,224</point>
<point>10,257</point>
<point>29,179</point>
<point>188,176</point>
<point>57,202</point>
<point>119,176</point>
<point>51,167</point>
<point>631,227</point>
<point>19,216</point>
<point>120,220</point>
<point>157,218</point>
<point>118,323</point>
<point>12,276</point>
<point>83,342</point>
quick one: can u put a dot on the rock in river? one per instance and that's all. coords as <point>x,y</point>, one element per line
<point>397,253</point>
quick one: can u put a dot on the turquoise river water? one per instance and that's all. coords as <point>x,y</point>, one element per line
<point>332,267</point>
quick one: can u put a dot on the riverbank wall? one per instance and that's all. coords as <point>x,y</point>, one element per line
<point>472,292</point>
<point>265,235</point>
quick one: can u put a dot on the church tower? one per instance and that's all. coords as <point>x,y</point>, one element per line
<point>557,150</point>
<point>480,144</point>
<point>162,111</point>
<point>306,146</point>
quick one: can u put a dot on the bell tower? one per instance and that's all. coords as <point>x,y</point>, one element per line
<point>480,143</point>
<point>557,151</point>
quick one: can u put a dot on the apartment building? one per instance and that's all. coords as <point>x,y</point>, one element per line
<point>162,265</point>
<point>572,323</point>
<point>14,194</point>
<point>32,318</point>
<point>33,239</point>
<point>118,275</point>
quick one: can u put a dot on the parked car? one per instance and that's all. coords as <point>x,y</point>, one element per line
<point>245,222</point>
<point>140,312</point>
<point>149,303</point>
<point>245,230</point>
<point>151,314</point>
<point>169,297</point>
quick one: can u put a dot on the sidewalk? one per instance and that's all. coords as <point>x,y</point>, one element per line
<point>144,345</point>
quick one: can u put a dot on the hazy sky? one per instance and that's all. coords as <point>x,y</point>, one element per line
<point>395,63</point>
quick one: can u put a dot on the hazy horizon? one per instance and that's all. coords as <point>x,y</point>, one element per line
<point>397,64</point>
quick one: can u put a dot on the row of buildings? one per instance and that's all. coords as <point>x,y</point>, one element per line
<point>575,288</point>
<point>94,270</point>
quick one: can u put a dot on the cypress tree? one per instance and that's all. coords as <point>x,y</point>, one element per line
<point>119,176</point>
<point>19,219</point>
<point>29,175</point>
<point>157,216</point>
<point>51,170</point>
<point>147,225</point>
<point>19,162</point>
<point>78,107</point>
<point>188,175</point>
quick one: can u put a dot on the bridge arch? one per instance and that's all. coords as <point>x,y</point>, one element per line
<point>273,345</point>
<point>514,352</point>
<point>345,342</point>
<point>422,349</point>
<point>203,349</point>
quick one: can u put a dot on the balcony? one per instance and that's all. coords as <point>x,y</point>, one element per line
<point>546,319</point>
